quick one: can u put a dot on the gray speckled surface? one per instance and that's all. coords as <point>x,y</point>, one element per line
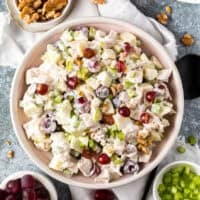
<point>185,18</point>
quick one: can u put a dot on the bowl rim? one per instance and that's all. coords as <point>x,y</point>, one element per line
<point>41,178</point>
<point>166,168</point>
<point>159,157</point>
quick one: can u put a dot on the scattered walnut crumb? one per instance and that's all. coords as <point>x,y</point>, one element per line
<point>187,39</point>
<point>168,10</point>
<point>99,1</point>
<point>10,154</point>
<point>8,142</point>
<point>162,18</point>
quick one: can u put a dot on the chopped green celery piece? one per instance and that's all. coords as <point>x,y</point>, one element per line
<point>156,108</point>
<point>58,99</point>
<point>127,84</point>
<point>116,159</point>
<point>180,149</point>
<point>83,141</point>
<point>69,65</point>
<point>71,33</point>
<point>120,135</point>
<point>83,73</point>
<point>192,140</point>
<point>173,189</point>
<point>161,188</point>
<point>91,144</point>
<point>167,179</point>
<point>67,172</point>
<point>92,32</point>
<point>112,70</point>
<point>187,170</point>
<point>117,48</point>
<point>68,137</point>
<point>131,92</point>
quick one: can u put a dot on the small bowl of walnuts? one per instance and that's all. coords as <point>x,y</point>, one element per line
<point>38,15</point>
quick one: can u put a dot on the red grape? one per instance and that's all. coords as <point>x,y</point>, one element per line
<point>103,159</point>
<point>121,67</point>
<point>3,194</point>
<point>13,186</point>
<point>27,181</point>
<point>127,47</point>
<point>150,96</point>
<point>72,82</point>
<point>42,88</point>
<point>29,194</point>
<point>82,100</point>
<point>145,117</point>
<point>124,111</point>
<point>104,195</point>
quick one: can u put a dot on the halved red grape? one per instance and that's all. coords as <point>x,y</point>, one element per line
<point>72,82</point>
<point>82,100</point>
<point>127,47</point>
<point>145,118</point>
<point>13,186</point>
<point>104,195</point>
<point>42,88</point>
<point>103,159</point>
<point>124,111</point>
<point>29,194</point>
<point>150,96</point>
<point>27,181</point>
<point>121,67</point>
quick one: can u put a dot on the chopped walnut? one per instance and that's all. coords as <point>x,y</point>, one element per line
<point>10,154</point>
<point>187,39</point>
<point>162,18</point>
<point>99,1</point>
<point>8,142</point>
<point>116,88</point>
<point>168,10</point>
<point>78,61</point>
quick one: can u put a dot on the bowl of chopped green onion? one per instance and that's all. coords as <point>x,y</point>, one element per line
<point>177,181</point>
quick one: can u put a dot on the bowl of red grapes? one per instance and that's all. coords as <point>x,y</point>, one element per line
<point>26,185</point>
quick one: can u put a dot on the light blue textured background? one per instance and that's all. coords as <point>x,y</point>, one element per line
<point>185,18</point>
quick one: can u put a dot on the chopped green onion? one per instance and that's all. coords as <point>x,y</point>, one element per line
<point>180,149</point>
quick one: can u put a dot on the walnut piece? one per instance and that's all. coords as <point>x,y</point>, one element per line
<point>99,1</point>
<point>162,18</point>
<point>10,154</point>
<point>168,10</point>
<point>187,39</point>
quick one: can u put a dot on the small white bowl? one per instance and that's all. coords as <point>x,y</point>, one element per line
<point>36,26</point>
<point>41,178</point>
<point>159,176</point>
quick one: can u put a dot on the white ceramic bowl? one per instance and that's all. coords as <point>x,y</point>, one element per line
<point>32,58</point>
<point>41,178</point>
<point>36,26</point>
<point>159,176</point>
